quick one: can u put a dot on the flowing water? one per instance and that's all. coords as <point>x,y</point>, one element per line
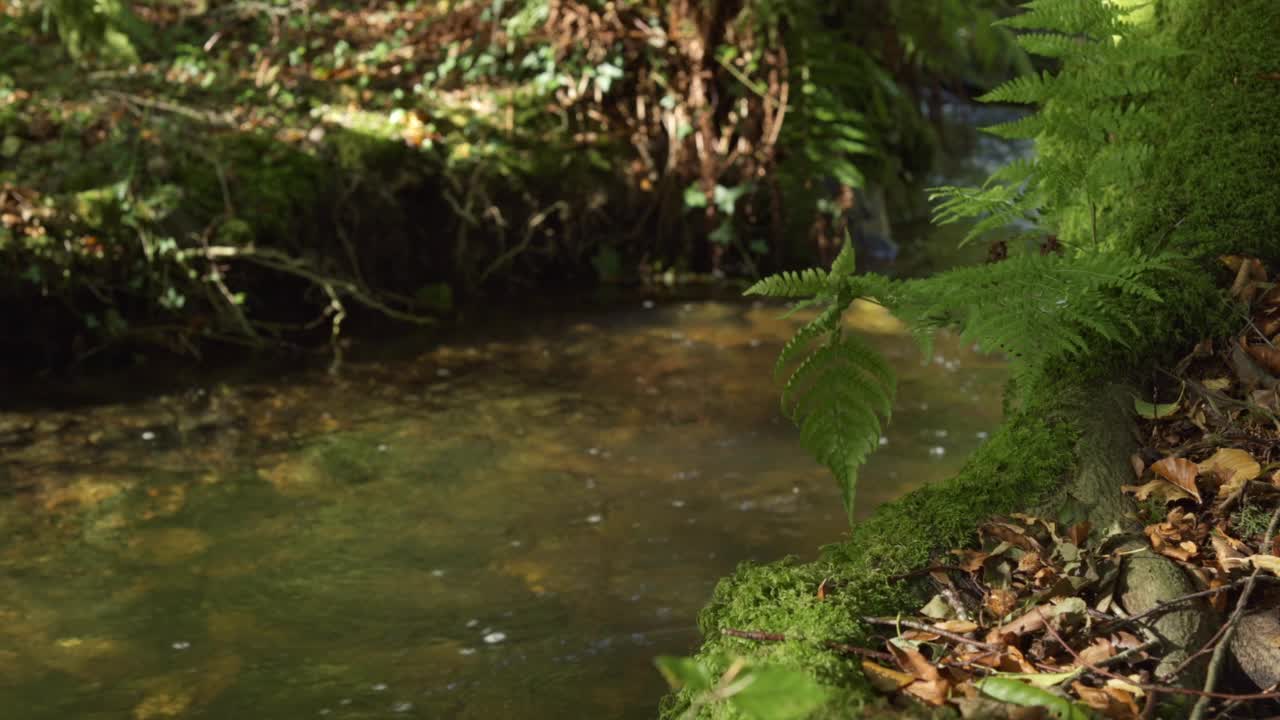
<point>511,524</point>
<point>502,526</point>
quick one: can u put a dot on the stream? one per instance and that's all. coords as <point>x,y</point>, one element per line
<point>511,523</point>
<point>510,526</point>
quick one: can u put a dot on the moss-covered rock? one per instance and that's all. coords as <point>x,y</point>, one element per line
<point>1023,462</point>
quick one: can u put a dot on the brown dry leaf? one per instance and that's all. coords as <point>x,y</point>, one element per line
<point>913,662</point>
<point>1028,622</point>
<point>1230,552</point>
<point>957,626</point>
<point>1102,700</point>
<point>970,560</point>
<point>1218,601</point>
<point>933,692</point>
<point>1030,562</point>
<point>1164,491</point>
<point>1012,534</point>
<point>1180,472</point>
<point>1266,356</point>
<point>1012,660</point>
<point>884,679</point>
<point>1099,650</point>
<point>1000,602</point>
<point>1269,563</point>
<point>1079,533</point>
<point>1135,462</point>
<point>1237,466</point>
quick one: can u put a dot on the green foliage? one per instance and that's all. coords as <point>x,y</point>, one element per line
<point>1017,467</point>
<point>1039,308</point>
<point>1016,692</point>
<point>841,388</point>
<point>103,30</point>
<point>1092,128</point>
<point>756,691</point>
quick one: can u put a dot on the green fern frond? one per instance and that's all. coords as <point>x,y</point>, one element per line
<point>1039,306</point>
<point>1075,17</point>
<point>1024,128</point>
<point>837,397</point>
<point>1024,89</point>
<point>1055,45</point>
<point>806,283</point>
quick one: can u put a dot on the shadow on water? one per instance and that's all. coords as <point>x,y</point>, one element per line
<point>510,526</point>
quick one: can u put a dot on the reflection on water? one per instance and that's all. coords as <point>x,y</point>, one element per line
<point>505,527</point>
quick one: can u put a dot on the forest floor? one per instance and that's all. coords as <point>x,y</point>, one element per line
<point>1028,619</point>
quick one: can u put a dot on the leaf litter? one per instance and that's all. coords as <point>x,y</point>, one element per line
<point>1026,623</point>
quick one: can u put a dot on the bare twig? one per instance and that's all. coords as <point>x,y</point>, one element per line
<point>925,627</point>
<point>1147,687</point>
<point>1224,644</point>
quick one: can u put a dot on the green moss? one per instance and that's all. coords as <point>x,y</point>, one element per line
<point>1216,174</point>
<point>1022,463</point>
<point>268,184</point>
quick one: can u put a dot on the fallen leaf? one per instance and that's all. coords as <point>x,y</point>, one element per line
<point>1156,411</point>
<point>913,662</point>
<point>1079,532</point>
<point>1217,384</point>
<point>933,692</point>
<point>1230,552</point>
<point>1000,602</point>
<point>970,560</point>
<point>1269,563</point>
<point>1238,467</point>
<point>1266,356</point>
<point>957,626</point>
<point>1138,465</point>
<point>1028,622</point>
<point>884,679</point>
<point>938,608</point>
<point>1180,472</point>
<point>1099,650</point>
<point>1166,492</point>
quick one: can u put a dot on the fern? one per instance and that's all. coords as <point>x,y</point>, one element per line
<point>1091,134</point>
<point>1091,128</point>
<point>840,390</point>
<point>1037,307</point>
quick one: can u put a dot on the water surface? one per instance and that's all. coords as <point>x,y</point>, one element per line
<point>509,525</point>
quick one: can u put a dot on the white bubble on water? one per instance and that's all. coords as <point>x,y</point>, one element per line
<point>594,518</point>
<point>379,687</point>
<point>181,645</point>
<point>937,451</point>
<point>148,435</point>
<point>496,637</point>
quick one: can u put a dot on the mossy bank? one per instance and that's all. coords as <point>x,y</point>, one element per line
<point>1213,188</point>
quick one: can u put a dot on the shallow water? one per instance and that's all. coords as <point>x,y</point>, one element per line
<point>510,525</point>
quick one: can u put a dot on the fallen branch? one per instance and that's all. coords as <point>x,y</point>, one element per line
<point>1224,644</point>
<point>1147,687</point>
